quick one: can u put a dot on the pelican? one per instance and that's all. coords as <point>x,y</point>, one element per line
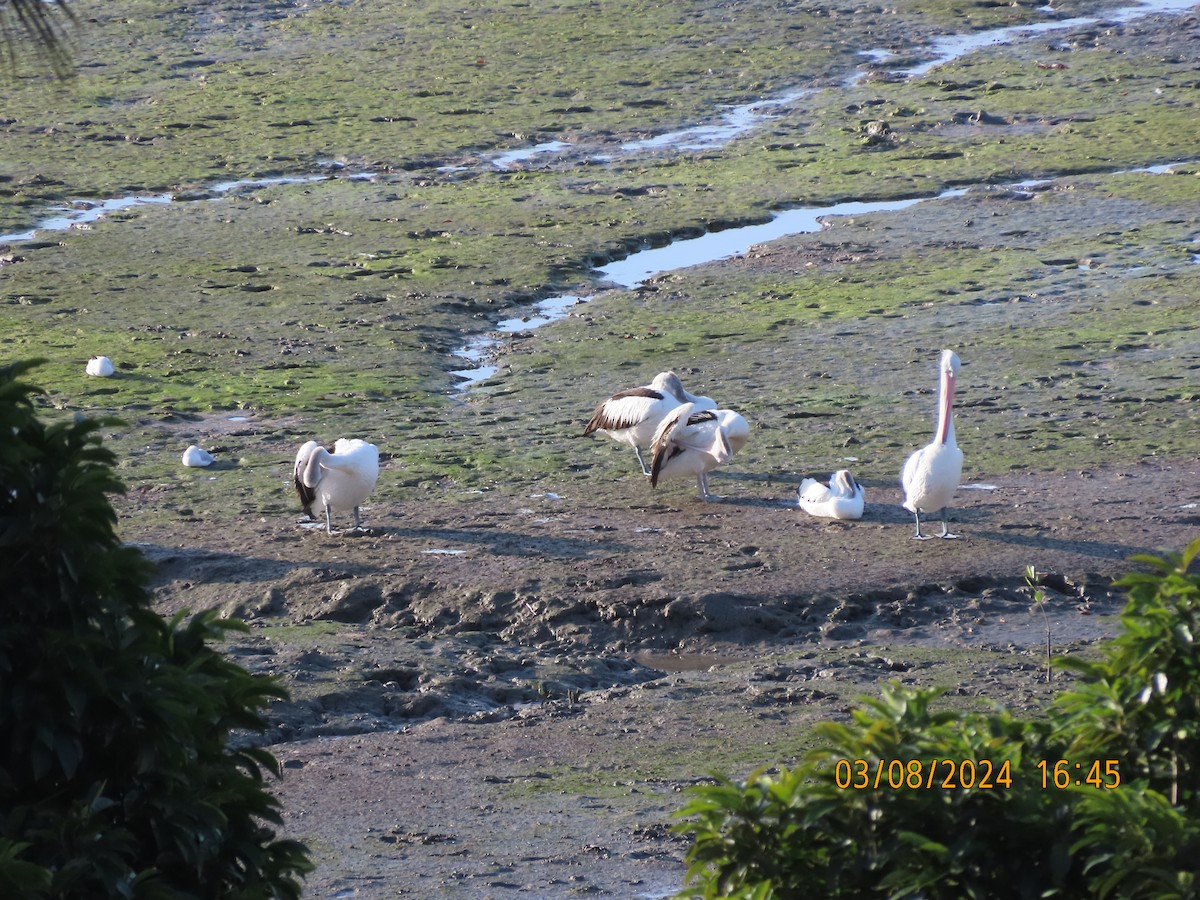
<point>931,474</point>
<point>694,441</point>
<point>842,498</point>
<point>341,479</point>
<point>100,366</point>
<point>633,416</point>
<point>194,456</point>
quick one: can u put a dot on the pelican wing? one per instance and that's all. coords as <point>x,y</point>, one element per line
<point>812,491</point>
<point>665,445</point>
<point>702,434</point>
<point>624,410</point>
<point>684,429</point>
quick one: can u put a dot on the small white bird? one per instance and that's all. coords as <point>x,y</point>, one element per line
<point>694,442</point>
<point>100,366</point>
<point>340,479</point>
<point>194,456</point>
<point>633,416</point>
<point>931,474</point>
<point>842,498</point>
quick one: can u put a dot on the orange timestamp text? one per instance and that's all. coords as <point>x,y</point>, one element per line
<point>971,774</point>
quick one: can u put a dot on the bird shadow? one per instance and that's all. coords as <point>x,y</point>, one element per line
<point>1098,549</point>
<point>506,543</point>
<point>208,566</point>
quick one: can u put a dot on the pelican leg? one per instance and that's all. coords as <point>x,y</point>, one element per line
<point>946,525</point>
<point>328,521</point>
<point>702,481</point>
<point>918,536</point>
<point>357,520</point>
<point>642,462</point>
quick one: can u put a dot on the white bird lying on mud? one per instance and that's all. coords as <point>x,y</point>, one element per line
<point>633,416</point>
<point>338,480</point>
<point>100,366</point>
<point>194,456</point>
<point>842,498</point>
<point>931,474</point>
<point>694,442</point>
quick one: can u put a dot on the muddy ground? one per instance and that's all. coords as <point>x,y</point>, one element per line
<point>509,692</point>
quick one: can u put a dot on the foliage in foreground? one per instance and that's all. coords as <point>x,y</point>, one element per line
<point>117,777</point>
<point>1100,798</point>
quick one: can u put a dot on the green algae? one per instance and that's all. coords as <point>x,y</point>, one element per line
<point>340,300</point>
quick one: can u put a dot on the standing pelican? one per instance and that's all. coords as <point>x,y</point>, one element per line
<point>341,479</point>
<point>931,474</point>
<point>842,498</point>
<point>694,442</point>
<point>633,416</point>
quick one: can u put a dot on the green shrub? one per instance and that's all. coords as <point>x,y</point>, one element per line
<point>869,813</point>
<point>118,777</point>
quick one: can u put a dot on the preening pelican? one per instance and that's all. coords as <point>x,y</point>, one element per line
<point>194,456</point>
<point>338,480</point>
<point>694,442</point>
<point>931,474</point>
<point>633,416</point>
<point>842,498</point>
<point>100,366</point>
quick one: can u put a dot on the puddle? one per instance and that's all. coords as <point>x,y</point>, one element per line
<point>682,662</point>
<point>82,213</point>
<point>637,268</point>
<point>479,349</point>
<point>949,47</point>
<point>79,214</point>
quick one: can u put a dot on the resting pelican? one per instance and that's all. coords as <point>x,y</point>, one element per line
<point>633,416</point>
<point>931,474</point>
<point>196,457</point>
<point>100,366</point>
<point>341,479</point>
<point>842,498</point>
<point>694,442</point>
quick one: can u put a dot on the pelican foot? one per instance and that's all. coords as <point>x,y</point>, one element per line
<point>946,527</point>
<point>922,537</point>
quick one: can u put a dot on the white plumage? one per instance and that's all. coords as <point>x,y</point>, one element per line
<point>842,498</point>
<point>100,366</point>
<point>339,480</point>
<point>694,442</point>
<point>931,474</point>
<point>194,456</point>
<point>633,416</point>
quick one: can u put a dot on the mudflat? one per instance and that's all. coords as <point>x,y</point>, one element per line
<point>505,684</point>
